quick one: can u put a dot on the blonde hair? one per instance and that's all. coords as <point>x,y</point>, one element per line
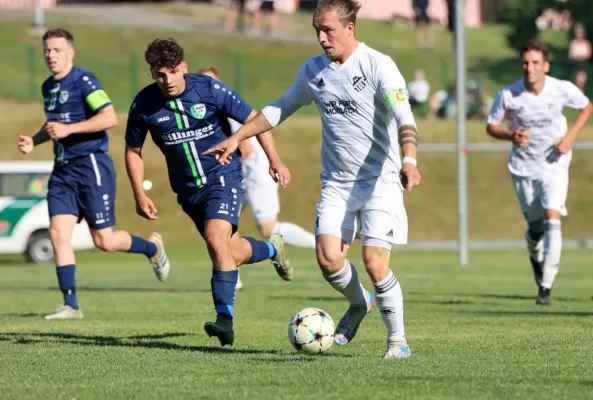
<point>346,9</point>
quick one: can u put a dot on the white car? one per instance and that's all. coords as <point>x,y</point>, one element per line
<point>24,218</point>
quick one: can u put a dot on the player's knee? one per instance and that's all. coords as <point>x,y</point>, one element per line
<point>331,259</point>
<point>267,229</point>
<point>104,239</point>
<point>60,235</point>
<point>376,262</point>
<point>218,243</point>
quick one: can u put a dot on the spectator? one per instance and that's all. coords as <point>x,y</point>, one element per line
<point>580,54</point>
<point>266,8</point>
<point>235,11</point>
<point>419,90</point>
<point>477,102</point>
<point>424,35</point>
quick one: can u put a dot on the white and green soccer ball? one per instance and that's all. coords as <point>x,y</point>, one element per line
<point>311,331</point>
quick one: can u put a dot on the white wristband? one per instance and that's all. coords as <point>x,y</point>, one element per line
<point>409,160</point>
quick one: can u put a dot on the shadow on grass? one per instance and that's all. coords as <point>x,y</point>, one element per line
<point>502,313</point>
<point>24,315</point>
<point>107,289</point>
<point>142,341</point>
<point>501,296</point>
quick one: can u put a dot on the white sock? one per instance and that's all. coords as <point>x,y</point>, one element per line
<point>294,235</point>
<point>552,251</point>
<point>535,247</point>
<point>346,282</point>
<point>390,300</point>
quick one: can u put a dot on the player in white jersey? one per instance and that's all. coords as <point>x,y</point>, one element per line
<point>261,191</point>
<point>366,122</point>
<point>540,158</point>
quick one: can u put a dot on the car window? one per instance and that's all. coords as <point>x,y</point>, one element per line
<point>23,184</point>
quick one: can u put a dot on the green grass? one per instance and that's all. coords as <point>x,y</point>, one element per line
<point>260,70</point>
<point>475,333</point>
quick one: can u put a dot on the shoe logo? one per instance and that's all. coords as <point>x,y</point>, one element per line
<point>390,233</point>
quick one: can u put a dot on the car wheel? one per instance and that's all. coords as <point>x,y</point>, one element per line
<point>39,248</point>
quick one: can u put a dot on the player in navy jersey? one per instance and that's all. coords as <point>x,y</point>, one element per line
<point>82,184</point>
<point>185,115</point>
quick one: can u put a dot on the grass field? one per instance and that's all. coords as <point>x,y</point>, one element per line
<point>475,333</point>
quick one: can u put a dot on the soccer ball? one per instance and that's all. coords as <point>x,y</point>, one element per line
<point>311,331</point>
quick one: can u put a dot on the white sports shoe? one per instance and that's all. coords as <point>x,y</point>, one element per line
<point>160,261</point>
<point>239,285</point>
<point>65,312</point>
<point>350,322</point>
<point>398,351</point>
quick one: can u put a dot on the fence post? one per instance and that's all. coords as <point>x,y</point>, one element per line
<point>238,74</point>
<point>134,79</point>
<point>33,89</point>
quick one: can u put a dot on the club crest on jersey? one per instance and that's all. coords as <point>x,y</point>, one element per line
<point>198,111</point>
<point>359,83</point>
<point>63,96</point>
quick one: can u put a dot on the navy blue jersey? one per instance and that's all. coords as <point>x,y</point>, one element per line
<point>76,97</point>
<point>187,125</point>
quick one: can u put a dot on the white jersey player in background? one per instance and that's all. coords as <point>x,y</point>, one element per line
<point>540,158</point>
<point>366,121</point>
<point>261,191</point>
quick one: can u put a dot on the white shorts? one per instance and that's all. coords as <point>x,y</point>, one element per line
<point>537,195</point>
<point>261,196</point>
<point>372,209</point>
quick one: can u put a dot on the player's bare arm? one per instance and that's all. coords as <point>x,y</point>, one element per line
<point>246,149</point>
<point>26,144</point>
<point>135,168</point>
<point>278,171</point>
<point>564,145</point>
<point>397,101</point>
<point>253,126</point>
<point>408,141</point>
<point>520,136</point>
<point>105,119</point>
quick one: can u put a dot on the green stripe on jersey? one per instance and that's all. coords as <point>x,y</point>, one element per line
<point>177,119</point>
<point>192,164</point>
<point>97,99</point>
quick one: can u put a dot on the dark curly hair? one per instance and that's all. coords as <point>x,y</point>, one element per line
<point>163,53</point>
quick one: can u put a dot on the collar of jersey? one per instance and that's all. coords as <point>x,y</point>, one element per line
<point>335,66</point>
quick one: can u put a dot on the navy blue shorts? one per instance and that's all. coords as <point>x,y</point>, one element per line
<point>220,199</point>
<point>84,187</point>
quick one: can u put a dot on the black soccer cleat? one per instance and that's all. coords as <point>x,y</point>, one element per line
<point>538,270</point>
<point>222,329</point>
<point>543,297</point>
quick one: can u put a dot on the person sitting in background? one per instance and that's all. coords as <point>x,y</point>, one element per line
<point>419,90</point>
<point>579,53</point>
<point>444,102</point>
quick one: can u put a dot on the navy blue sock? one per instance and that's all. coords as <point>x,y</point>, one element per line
<point>67,282</point>
<point>223,291</point>
<point>142,246</point>
<point>260,250</point>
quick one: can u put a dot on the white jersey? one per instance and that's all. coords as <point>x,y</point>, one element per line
<point>355,100</point>
<point>543,116</point>
<point>256,165</point>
